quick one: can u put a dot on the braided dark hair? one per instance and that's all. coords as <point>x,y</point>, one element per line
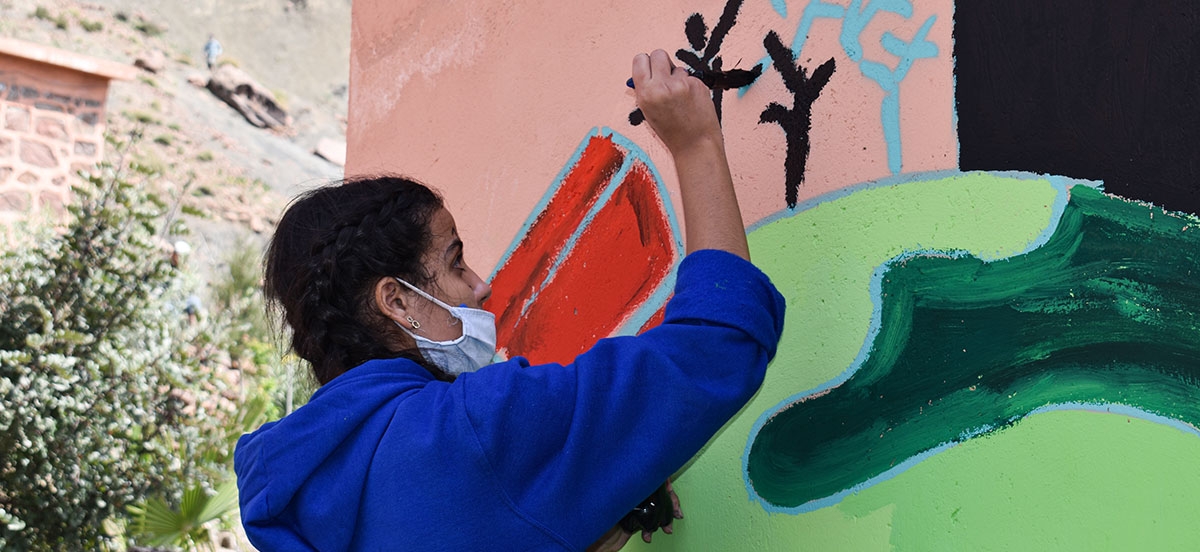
<point>330,248</point>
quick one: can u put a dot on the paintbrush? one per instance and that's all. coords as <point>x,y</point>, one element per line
<point>721,80</point>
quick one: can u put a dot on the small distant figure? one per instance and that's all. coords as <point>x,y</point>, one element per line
<point>212,50</point>
<point>193,309</point>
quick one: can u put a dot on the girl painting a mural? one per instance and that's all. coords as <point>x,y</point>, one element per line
<point>416,440</point>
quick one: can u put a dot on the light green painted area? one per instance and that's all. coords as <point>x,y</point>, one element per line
<point>1056,481</point>
<point>1064,480</point>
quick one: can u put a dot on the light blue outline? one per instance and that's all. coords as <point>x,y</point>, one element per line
<point>1103,408</point>
<point>858,16</point>
<point>813,11</point>
<point>889,81</point>
<point>780,7</point>
<point>568,248</point>
<point>663,194</point>
<point>1061,186</point>
<point>656,299</point>
<point>1121,409</point>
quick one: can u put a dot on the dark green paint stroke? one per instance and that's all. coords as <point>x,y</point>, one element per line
<point>1106,312</point>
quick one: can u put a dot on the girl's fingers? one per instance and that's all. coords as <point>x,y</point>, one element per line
<point>660,63</point>
<point>641,69</point>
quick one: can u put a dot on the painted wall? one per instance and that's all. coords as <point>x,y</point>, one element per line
<point>971,360</point>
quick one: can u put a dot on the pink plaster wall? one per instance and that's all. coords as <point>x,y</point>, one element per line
<point>488,99</point>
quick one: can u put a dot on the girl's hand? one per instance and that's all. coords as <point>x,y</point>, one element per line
<point>678,107</point>
<point>676,513</point>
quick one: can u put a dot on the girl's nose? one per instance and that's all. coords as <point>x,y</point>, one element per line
<point>480,288</point>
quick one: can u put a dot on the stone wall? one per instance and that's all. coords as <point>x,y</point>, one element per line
<point>51,127</point>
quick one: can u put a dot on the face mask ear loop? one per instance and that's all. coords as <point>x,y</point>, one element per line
<point>451,320</point>
<point>472,350</point>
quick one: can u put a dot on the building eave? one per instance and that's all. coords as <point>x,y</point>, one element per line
<point>70,60</point>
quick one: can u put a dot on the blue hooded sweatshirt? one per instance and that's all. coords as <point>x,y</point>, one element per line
<point>513,456</point>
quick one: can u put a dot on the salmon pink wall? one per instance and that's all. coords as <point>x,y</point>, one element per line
<point>488,99</point>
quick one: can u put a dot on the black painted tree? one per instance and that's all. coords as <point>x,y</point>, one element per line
<point>703,60</point>
<point>796,121</point>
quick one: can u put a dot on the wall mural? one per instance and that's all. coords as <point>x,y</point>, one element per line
<point>984,354</point>
<point>607,209</point>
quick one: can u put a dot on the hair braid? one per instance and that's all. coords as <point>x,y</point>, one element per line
<point>329,249</point>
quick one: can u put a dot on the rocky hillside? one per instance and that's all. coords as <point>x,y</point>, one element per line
<point>301,47</point>
<point>231,178</point>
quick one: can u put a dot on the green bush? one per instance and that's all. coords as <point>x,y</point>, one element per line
<point>91,26</point>
<point>141,117</point>
<point>108,396</point>
<point>59,21</point>
<point>283,385</point>
<point>149,28</point>
<point>46,16</point>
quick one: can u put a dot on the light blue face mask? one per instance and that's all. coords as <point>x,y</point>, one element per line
<point>474,349</point>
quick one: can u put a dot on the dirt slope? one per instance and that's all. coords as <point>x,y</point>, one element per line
<point>231,178</point>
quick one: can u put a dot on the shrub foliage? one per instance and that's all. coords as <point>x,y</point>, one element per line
<point>107,392</point>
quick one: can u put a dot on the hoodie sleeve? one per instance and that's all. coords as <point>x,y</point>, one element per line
<point>609,428</point>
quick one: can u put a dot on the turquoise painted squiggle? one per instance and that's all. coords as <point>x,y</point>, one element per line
<point>854,19</point>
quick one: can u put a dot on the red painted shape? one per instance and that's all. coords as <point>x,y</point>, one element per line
<point>529,264</point>
<point>621,257</point>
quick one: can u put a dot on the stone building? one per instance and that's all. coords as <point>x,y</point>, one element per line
<point>52,109</point>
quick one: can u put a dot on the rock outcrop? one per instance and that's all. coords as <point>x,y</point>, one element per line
<point>152,60</point>
<point>331,150</point>
<point>257,104</point>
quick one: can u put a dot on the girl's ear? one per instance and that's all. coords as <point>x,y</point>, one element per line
<point>391,300</point>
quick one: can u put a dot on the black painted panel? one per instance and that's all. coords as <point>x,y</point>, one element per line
<point>1104,90</point>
